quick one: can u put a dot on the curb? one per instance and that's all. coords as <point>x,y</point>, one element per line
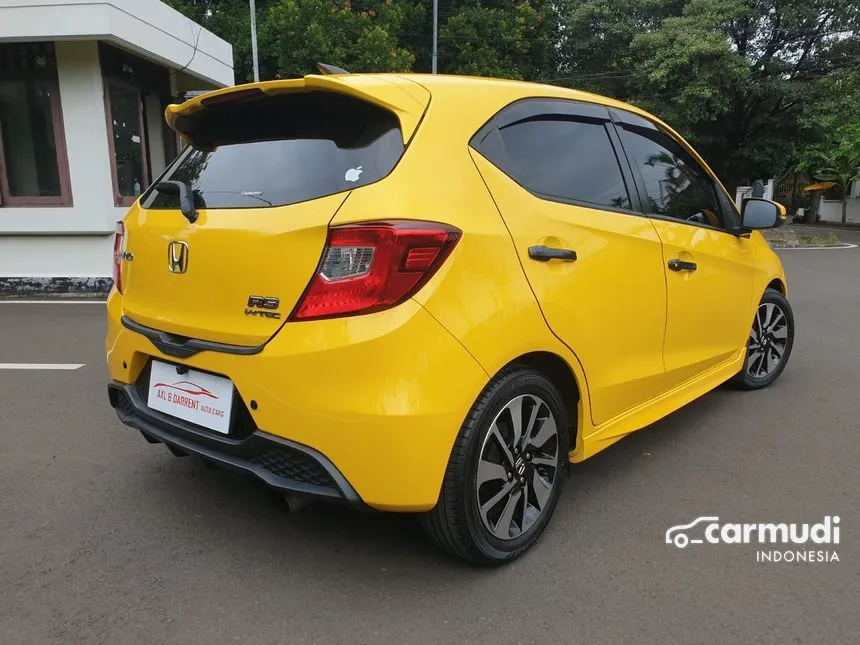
<point>843,245</point>
<point>35,288</point>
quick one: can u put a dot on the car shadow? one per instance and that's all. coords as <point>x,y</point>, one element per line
<point>221,507</point>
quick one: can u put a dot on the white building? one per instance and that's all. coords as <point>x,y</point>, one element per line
<point>83,87</point>
<point>830,210</point>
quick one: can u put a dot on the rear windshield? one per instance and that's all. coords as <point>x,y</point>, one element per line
<point>282,149</point>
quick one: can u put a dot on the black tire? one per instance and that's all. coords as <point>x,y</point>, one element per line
<point>456,523</point>
<point>750,378</point>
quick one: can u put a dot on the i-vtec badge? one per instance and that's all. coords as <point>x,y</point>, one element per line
<point>263,307</point>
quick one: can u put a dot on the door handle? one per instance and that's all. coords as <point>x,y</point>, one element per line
<point>681,265</point>
<point>543,253</point>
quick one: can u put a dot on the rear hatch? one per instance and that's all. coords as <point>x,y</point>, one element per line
<point>268,166</point>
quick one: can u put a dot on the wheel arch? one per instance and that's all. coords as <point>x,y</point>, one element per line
<point>778,285</point>
<point>557,370</point>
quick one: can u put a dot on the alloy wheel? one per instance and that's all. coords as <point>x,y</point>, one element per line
<point>517,467</point>
<point>768,340</point>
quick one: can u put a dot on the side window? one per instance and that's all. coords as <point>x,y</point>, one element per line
<point>675,184</point>
<point>562,157</point>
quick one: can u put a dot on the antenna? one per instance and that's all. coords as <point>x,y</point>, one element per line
<point>328,70</point>
<point>435,54</point>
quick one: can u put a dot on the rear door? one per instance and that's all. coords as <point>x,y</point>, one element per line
<point>708,272</point>
<point>267,171</point>
<point>593,261</point>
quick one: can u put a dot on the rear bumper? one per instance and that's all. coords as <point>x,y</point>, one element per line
<point>281,464</point>
<point>379,398</point>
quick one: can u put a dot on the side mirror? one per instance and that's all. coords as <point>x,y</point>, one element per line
<point>762,213</point>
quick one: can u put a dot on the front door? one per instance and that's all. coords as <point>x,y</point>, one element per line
<point>592,259</point>
<point>708,275</point>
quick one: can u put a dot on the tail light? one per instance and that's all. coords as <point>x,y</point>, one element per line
<point>373,266</point>
<point>118,249</point>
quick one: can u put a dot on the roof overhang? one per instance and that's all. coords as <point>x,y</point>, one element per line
<point>149,28</point>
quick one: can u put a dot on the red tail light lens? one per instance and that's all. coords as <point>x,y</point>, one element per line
<point>373,266</point>
<point>118,249</point>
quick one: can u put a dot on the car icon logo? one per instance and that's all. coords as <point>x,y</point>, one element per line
<point>177,257</point>
<point>677,534</point>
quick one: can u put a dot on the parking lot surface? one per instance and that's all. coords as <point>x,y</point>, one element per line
<point>107,539</point>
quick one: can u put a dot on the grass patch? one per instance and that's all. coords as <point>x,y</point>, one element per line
<point>789,238</point>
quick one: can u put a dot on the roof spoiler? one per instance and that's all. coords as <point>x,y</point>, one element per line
<point>377,90</point>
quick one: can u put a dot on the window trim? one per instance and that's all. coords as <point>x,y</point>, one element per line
<point>530,107</point>
<point>64,199</point>
<point>118,199</point>
<point>732,225</point>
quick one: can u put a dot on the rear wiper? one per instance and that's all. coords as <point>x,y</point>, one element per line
<point>186,197</point>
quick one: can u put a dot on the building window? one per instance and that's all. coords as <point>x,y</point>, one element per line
<point>136,93</point>
<point>128,142</point>
<point>34,169</point>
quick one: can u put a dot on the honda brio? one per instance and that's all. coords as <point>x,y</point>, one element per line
<point>429,294</point>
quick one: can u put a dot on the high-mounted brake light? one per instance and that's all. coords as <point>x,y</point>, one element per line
<point>373,266</point>
<point>118,250</point>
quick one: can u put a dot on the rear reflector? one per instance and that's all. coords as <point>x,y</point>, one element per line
<point>118,250</point>
<point>374,266</point>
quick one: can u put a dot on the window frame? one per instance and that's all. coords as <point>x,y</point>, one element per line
<point>731,219</point>
<point>64,199</point>
<point>565,109</point>
<point>118,199</point>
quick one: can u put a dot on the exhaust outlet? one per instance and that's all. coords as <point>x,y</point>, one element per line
<point>296,501</point>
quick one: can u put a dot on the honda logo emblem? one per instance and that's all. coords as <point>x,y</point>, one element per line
<point>177,257</point>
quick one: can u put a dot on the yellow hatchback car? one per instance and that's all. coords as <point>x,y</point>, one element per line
<point>429,294</point>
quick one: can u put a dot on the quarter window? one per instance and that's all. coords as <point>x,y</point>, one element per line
<point>675,184</point>
<point>564,158</point>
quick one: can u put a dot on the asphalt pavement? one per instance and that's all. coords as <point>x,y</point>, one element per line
<point>107,539</point>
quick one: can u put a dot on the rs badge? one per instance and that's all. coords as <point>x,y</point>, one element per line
<point>262,307</point>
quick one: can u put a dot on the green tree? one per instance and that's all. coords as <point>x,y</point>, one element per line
<point>754,84</point>
<point>596,38</point>
<point>298,34</point>
<point>230,20</point>
<point>294,35</point>
<point>734,76</point>
<point>511,40</point>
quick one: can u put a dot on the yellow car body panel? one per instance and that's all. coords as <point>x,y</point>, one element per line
<point>190,304</point>
<point>383,395</point>
<point>386,418</point>
<point>623,361</point>
<point>701,331</point>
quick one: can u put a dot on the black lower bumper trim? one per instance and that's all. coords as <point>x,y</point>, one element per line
<point>280,463</point>
<point>183,347</point>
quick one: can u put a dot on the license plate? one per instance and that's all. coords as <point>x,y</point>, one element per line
<point>194,396</point>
